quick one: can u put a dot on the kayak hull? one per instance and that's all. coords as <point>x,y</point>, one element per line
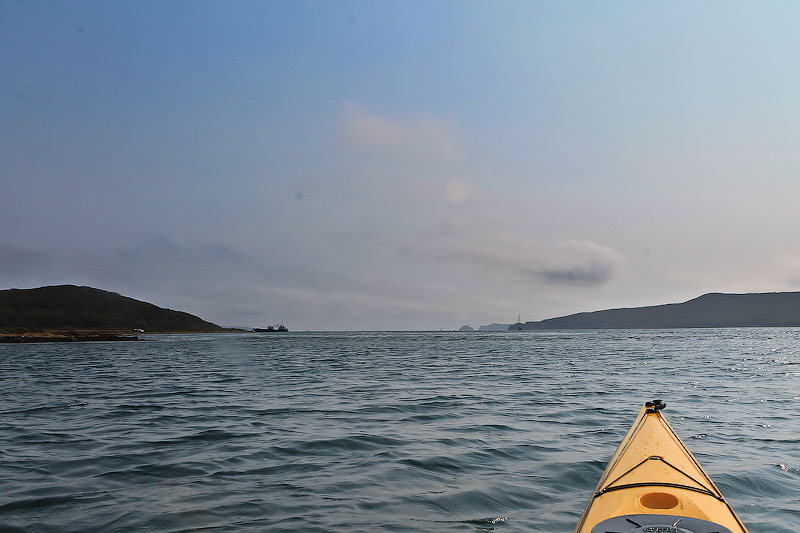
<point>655,477</point>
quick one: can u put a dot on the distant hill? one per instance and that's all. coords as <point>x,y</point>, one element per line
<point>494,327</point>
<point>65,307</point>
<point>714,310</point>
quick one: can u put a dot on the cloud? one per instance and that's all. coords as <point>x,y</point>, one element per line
<point>456,191</point>
<point>155,266</point>
<point>372,303</point>
<point>585,275</point>
<point>16,260</point>
<point>519,258</point>
<point>419,137</point>
<point>160,258</point>
<point>580,263</point>
<point>224,285</point>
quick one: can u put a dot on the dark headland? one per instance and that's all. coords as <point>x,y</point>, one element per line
<point>72,313</point>
<point>713,310</point>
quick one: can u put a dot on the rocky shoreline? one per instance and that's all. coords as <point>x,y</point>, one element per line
<point>18,338</point>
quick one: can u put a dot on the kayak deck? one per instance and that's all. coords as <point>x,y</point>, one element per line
<point>654,483</point>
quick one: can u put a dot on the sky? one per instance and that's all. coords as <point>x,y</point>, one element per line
<point>400,165</point>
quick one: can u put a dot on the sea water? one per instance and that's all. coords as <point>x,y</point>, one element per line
<point>383,432</point>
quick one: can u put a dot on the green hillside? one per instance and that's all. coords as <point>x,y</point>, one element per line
<point>66,307</point>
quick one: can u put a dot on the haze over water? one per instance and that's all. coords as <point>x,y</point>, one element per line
<point>382,432</point>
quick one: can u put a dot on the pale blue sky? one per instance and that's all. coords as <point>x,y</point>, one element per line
<point>400,165</point>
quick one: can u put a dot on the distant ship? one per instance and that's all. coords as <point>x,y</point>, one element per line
<point>272,329</point>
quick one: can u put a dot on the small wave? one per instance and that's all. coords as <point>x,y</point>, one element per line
<point>438,464</point>
<point>482,523</point>
<point>137,407</point>
<point>40,410</point>
<point>428,417</point>
<point>209,435</point>
<point>351,443</point>
<point>282,469</point>
<point>754,484</point>
<point>491,520</point>
<point>38,503</point>
<point>170,471</point>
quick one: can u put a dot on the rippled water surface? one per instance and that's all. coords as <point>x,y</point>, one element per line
<point>392,432</point>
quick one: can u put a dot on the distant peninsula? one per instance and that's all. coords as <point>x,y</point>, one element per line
<point>713,310</point>
<point>494,327</point>
<point>69,312</point>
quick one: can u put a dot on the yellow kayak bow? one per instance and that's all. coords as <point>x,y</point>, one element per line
<point>653,484</point>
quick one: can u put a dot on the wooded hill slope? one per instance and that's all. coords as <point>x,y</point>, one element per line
<point>64,307</point>
<point>713,310</point>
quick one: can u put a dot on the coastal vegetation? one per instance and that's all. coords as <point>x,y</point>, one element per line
<point>713,310</point>
<point>69,308</point>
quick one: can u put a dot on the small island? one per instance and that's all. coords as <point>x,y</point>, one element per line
<point>272,329</point>
<point>68,313</point>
